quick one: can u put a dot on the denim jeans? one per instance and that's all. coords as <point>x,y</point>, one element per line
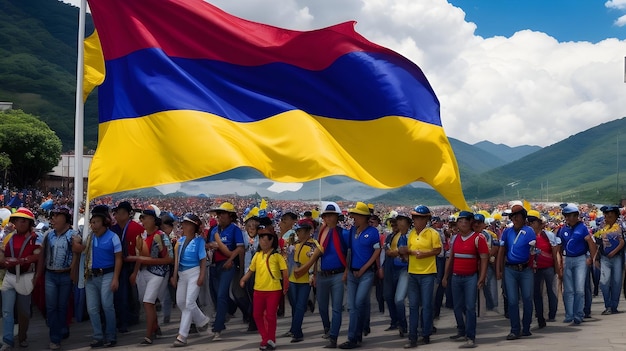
<point>330,290</point>
<point>58,290</point>
<point>99,295</point>
<point>516,282</point>
<point>491,289</point>
<point>440,290</point>
<point>298,298</point>
<point>611,280</point>
<point>358,297</point>
<point>221,279</point>
<point>390,283</point>
<point>545,276</point>
<point>464,290</point>
<point>401,293</point>
<point>126,299</point>
<point>10,298</point>
<point>574,272</point>
<point>420,288</point>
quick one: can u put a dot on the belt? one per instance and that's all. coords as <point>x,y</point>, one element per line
<point>329,272</point>
<point>517,266</point>
<point>96,272</point>
<point>65,270</point>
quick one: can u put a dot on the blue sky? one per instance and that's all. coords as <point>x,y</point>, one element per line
<point>565,20</point>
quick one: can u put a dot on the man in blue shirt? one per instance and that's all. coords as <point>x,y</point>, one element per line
<point>227,241</point>
<point>513,265</point>
<point>575,241</point>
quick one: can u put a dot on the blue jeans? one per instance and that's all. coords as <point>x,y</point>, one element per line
<point>611,280</point>
<point>491,289</point>
<point>298,298</point>
<point>390,283</point>
<point>358,298</point>
<point>575,271</point>
<point>420,288</point>
<point>99,294</point>
<point>545,275</point>
<point>464,290</point>
<point>58,290</point>
<point>401,293</point>
<point>9,299</point>
<point>516,282</point>
<point>330,290</point>
<point>221,279</point>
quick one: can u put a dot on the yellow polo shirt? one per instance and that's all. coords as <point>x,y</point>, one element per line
<point>427,240</point>
<point>263,281</point>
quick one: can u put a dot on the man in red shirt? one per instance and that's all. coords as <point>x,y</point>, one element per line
<point>126,297</point>
<point>469,256</point>
<point>545,266</point>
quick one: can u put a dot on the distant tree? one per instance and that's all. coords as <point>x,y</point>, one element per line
<point>31,147</point>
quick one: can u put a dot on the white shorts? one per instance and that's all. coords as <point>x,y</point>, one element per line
<point>148,286</point>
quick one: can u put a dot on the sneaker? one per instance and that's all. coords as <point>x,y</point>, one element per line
<point>349,345</point>
<point>607,312</point>
<point>217,336</point>
<point>458,337</point>
<point>96,343</point>
<point>512,336</point>
<point>287,335</point>
<point>577,321</point>
<point>53,346</point>
<point>332,343</point>
<point>469,344</point>
<point>410,345</point>
<point>294,340</point>
<point>568,320</point>
<point>271,345</point>
<point>110,343</point>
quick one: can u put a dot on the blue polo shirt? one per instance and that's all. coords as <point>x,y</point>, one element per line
<point>103,250</point>
<point>231,236</point>
<point>330,260</point>
<point>194,252</point>
<point>517,244</point>
<point>363,246</point>
<point>573,239</point>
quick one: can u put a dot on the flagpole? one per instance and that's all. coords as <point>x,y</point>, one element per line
<point>79,115</point>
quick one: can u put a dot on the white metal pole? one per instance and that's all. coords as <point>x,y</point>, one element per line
<point>80,116</point>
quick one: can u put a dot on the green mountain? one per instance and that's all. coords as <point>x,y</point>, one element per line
<point>506,153</point>
<point>472,159</point>
<point>38,64</point>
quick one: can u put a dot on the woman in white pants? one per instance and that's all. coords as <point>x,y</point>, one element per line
<point>188,277</point>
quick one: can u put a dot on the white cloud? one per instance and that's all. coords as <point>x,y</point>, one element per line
<point>526,89</point>
<point>620,22</point>
<point>616,4</point>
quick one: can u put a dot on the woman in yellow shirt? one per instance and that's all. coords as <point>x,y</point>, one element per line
<point>268,266</point>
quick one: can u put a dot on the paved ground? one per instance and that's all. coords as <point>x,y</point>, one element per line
<point>599,333</point>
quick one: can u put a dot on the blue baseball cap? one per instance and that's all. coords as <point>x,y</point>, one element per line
<point>569,208</point>
<point>465,214</point>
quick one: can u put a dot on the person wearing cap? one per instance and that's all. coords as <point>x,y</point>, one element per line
<point>546,264</point>
<point>397,274</point>
<point>332,274</point>
<point>251,222</point>
<point>364,244</point>
<point>307,251</point>
<point>126,297</point>
<point>469,257</point>
<point>268,266</point>
<point>152,265</point>
<point>20,255</point>
<point>225,260</point>
<point>423,246</point>
<point>188,276</point>
<point>575,243</point>
<point>103,264</point>
<point>610,244</point>
<point>513,264</point>
<point>56,258</point>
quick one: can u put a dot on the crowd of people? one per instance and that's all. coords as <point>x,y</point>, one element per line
<point>210,257</point>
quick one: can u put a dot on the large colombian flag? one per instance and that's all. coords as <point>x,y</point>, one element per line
<point>191,91</point>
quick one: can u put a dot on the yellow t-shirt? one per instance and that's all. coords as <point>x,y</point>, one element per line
<point>302,255</point>
<point>263,281</point>
<point>427,240</point>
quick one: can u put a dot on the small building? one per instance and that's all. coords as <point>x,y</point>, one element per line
<point>5,105</point>
<point>62,176</point>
